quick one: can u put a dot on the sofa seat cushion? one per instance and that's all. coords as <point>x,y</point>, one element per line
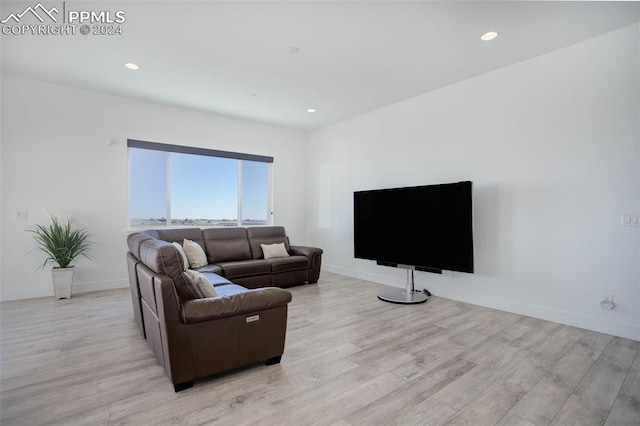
<point>227,290</point>
<point>245,268</point>
<point>210,268</point>
<point>290,263</point>
<point>215,279</point>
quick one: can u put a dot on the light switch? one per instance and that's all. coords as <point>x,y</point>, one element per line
<point>20,215</point>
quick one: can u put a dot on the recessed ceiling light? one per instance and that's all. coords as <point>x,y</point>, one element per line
<point>311,110</point>
<point>131,66</point>
<point>293,50</point>
<point>489,36</point>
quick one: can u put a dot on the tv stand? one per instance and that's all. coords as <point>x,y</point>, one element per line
<point>409,295</point>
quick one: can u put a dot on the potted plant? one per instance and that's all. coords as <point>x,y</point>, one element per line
<point>62,244</point>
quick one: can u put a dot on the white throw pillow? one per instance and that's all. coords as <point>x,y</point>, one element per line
<point>183,254</point>
<point>271,251</point>
<point>206,288</point>
<point>195,254</point>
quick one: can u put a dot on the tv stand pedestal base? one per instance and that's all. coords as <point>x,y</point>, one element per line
<point>406,297</point>
<point>401,296</point>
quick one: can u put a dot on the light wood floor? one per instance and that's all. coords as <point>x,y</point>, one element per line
<point>349,359</point>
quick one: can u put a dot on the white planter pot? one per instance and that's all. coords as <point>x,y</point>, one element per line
<point>62,281</point>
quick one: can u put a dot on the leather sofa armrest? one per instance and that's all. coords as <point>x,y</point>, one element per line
<point>200,310</point>
<point>309,252</point>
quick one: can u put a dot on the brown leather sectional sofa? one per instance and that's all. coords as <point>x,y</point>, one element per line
<point>245,324</point>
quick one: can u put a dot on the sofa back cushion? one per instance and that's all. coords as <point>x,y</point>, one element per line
<point>266,235</point>
<point>135,240</point>
<point>163,258</point>
<point>226,244</point>
<point>185,259</point>
<point>178,235</point>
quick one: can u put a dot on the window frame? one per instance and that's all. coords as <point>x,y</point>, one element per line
<point>181,149</point>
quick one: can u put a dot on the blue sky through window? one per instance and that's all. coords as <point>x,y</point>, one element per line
<point>147,184</point>
<point>254,190</point>
<point>202,187</point>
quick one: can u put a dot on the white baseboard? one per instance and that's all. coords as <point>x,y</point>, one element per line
<point>376,278</point>
<point>100,285</point>
<point>47,291</point>
<point>26,293</point>
<point>626,330</point>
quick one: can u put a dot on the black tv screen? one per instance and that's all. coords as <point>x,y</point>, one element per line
<point>427,227</point>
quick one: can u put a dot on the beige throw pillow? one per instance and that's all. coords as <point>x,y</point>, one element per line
<point>271,251</point>
<point>203,284</point>
<point>183,254</point>
<point>187,288</point>
<point>195,254</point>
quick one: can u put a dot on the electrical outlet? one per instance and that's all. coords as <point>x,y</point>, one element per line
<point>631,219</point>
<point>20,215</point>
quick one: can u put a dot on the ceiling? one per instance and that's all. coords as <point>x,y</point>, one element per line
<point>232,58</point>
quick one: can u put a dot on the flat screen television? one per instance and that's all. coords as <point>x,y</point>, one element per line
<point>427,227</point>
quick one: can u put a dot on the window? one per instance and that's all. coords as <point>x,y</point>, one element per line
<point>173,185</point>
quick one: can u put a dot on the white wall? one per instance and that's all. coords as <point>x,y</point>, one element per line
<point>56,156</point>
<point>553,148</point>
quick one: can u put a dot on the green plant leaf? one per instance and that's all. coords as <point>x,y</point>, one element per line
<point>61,243</point>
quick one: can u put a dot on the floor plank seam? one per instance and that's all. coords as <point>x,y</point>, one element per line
<point>622,386</point>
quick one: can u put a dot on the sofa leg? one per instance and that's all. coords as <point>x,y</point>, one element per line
<point>182,386</point>
<point>274,360</point>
